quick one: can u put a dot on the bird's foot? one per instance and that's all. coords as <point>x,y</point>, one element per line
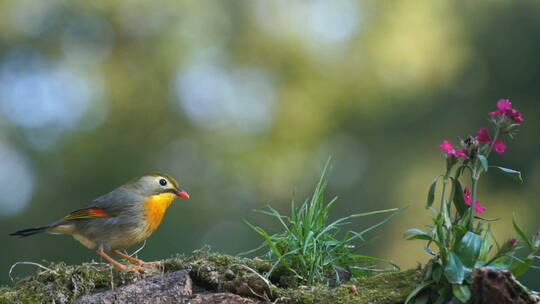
<point>130,268</point>
<point>151,264</point>
<point>352,288</point>
<point>142,263</point>
<point>115,263</point>
<point>139,262</point>
<point>136,268</point>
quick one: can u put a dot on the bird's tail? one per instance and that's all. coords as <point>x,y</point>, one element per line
<point>30,231</point>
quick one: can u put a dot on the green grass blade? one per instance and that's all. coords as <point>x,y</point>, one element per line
<point>367,258</point>
<point>280,217</point>
<point>520,232</point>
<point>384,221</point>
<point>310,247</point>
<point>267,237</point>
<point>264,244</point>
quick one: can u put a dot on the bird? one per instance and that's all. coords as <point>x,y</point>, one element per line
<point>119,219</point>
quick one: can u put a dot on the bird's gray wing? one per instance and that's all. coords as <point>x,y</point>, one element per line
<point>111,204</point>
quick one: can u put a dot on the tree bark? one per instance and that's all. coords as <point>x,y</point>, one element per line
<point>500,287</point>
<point>174,287</point>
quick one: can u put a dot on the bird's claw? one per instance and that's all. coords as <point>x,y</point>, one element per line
<point>151,264</point>
<point>135,268</point>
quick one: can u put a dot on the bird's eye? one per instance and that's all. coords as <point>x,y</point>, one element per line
<point>163,182</point>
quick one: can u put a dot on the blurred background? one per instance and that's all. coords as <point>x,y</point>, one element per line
<point>243,101</point>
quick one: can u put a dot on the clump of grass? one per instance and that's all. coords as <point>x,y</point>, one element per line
<point>311,249</point>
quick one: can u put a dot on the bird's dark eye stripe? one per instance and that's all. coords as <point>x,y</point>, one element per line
<point>163,182</point>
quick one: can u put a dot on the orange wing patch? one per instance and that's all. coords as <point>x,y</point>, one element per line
<point>86,213</point>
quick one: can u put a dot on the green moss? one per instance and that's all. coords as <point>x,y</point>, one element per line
<point>212,271</point>
<point>220,272</point>
<point>385,288</point>
<point>63,283</point>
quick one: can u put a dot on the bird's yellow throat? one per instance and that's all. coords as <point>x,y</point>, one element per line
<point>155,207</point>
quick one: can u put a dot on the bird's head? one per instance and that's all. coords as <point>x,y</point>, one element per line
<point>155,183</point>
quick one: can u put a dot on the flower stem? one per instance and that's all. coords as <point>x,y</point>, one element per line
<point>445,181</point>
<point>474,186</point>
<point>445,210</point>
<point>477,170</point>
<point>495,137</point>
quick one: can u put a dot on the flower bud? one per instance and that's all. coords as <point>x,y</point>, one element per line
<point>536,240</point>
<point>472,144</point>
<point>512,242</point>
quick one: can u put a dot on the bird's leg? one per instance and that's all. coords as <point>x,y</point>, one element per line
<point>116,263</point>
<point>135,260</point>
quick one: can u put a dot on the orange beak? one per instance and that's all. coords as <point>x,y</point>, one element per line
<point>182,193</point>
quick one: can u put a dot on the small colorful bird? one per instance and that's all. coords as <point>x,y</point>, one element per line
<point>119,219</point>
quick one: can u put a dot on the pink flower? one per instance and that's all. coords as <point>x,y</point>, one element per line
<point>446,146</point>
<point>504,104</point>
<point>467,197</point>
<point>505,107</point>
<point>512,242</point>
<point>479,208</point>
<point>449,148</point>
<point>499,146</point>
<point>461,153</point>
<point>516,115</point>
<point>483,135</point>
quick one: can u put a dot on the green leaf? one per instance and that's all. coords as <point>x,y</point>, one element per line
<point>503,262</point>
<point>417,290</point>
<point>440,241</point>
<point>487,244</point>
<point>515,175</point>
<point>519,266</point>
<point>429,251</point>
<point>522,235</point>
<point>462,292</point>
<point>445,294</point>
<point>441,300</point>
<point>454,270</point>
<point>431,192</point>
<point>423,299</point>
<point>468,249</point>
<point>459,231</point>
<point>466,218</point>
<point>416,234</point>
<point>483,161</point>
<point>459,202</point>
<point>437,273</point>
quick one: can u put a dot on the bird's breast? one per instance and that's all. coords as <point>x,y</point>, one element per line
<point>155,207</point>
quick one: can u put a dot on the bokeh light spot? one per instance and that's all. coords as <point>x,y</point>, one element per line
<point>16,181</point>
<point>215,98</point>
<point>31,17</point>
<point>87,39</point>
<point>41,97</point>
<point>319,22</point>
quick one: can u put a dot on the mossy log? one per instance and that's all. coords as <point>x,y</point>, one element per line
<point>204,277</point>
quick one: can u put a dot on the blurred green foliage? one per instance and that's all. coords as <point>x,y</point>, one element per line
<point>243,101</point>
